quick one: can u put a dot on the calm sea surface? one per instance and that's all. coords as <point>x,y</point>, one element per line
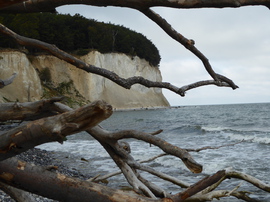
<point>186,127</point>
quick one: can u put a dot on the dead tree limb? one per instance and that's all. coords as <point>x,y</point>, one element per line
<point>199,186</point>
<point>31,6</point>
<point>28,110</point>
<point>128,166</point>
<point>178,182</point>
<point>37,179</point>
<point>54,128</point>
<point>188,44</point>
<point>17,194</point>
<point>165,146</point>
<point>7,3</point>
<point>209,192</point>
<point>125,83</point>
<point>121,155</point>
<point>239,175</point>
<point>8,81</point>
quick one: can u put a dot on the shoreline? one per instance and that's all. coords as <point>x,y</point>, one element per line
<point>42,157</point>
<point>144,108</point>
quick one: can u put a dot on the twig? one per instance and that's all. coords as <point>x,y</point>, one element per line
<point>209,147</point>
<point>190,45</point>
<point>125,83</point>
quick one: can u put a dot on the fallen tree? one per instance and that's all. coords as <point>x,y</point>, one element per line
<point>49,120</point>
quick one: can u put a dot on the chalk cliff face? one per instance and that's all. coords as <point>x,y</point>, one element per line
<point>89,86</point>
<point>26,85</point>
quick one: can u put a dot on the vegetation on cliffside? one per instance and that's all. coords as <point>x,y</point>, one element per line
<point>77,33</point>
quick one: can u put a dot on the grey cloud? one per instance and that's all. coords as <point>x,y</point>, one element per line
<point>236,41</point>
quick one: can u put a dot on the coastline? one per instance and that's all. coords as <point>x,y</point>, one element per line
<point>41,157</point>
<point>145,108</point>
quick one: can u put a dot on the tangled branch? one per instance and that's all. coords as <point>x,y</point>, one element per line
<point>125,83</point>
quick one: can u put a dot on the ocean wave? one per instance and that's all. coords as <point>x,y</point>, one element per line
<point>81,148</point>
<point>187,129</point>
<point>213,128</point>
<point>250,138</point>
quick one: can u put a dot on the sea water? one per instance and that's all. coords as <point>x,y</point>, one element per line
<point>188,127</point>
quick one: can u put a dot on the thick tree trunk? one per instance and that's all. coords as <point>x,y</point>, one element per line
<point>54,128</point>
<point>59,187</point>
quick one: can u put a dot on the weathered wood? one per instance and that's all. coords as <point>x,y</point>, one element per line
<point>125,83</point>
<point>17,194</point>
<point>199,186</point>
<point>123,159</point>
<point>6,3</point>
<point>5,82</point>
<point>50,5</point>
<point>186,158</point>
<point>54,128</point>
<point>38,180</point>
<point>28,110</point>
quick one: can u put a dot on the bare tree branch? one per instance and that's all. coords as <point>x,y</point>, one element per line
<point>28,110</point>
<point>190,45</point>
<point>199,186</point>
<point>165,146</point>
<point>17,194</point>
<point>109,140</point>
<point>54,128</point>
<point>256,182</point>
<point>39,180</point>
<point>50,5</point>
<point>7,3</point>
<point>126,83</point>
<point>8,81</point>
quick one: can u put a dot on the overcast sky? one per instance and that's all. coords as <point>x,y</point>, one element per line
<point>235,40</point>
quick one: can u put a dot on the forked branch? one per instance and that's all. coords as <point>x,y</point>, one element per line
<point>190,45</point>
<point>54,128</point>
<point>125,83</point>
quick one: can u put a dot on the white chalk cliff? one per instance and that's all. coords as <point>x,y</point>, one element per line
<point>27,86</point>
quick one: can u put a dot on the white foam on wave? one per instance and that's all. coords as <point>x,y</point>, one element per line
<point>82,148</point>
<point>250,138</point>
<point>213,128</point>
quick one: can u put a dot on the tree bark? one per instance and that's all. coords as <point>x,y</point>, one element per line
<point>17,194</point>
<point>28,110</point>
<point>50,5</point>
<point>7,3</point>
<point>53,185</point>
<point>54,128</point>
<point>125,83</point>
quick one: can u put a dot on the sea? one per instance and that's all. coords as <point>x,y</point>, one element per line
<point>244,128</point>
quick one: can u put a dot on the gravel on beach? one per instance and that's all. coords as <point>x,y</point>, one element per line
<point>45,158</point>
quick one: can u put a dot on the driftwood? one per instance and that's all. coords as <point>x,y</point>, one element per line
<point>7,3</point>
<point>28,110</point>
<point>17,194</point>
<point>54,128</point>
<point>8,81</point>
<point>50,5</point>
<point>39,180</point>
<point>125,83</point>
<point>54,185</point>
<point>109,140</point>
<point>64,121</point>
<point>15,172</point>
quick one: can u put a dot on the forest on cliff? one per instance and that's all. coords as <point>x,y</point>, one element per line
<point>79,35</point>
